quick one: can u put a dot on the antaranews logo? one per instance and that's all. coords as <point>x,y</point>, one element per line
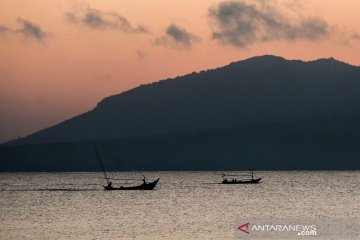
<point>298,229</point>
<point>244,228</point>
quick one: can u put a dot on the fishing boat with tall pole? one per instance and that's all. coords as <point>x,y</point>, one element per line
<point>144,186</point>
<point>246,178</point>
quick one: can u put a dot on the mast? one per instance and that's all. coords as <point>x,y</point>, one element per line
<point>101,165</point>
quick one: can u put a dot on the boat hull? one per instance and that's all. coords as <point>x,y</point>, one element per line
<point>144,186</point>
<point>250,181</point>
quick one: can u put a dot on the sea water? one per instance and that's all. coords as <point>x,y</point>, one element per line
<point>185,205</point>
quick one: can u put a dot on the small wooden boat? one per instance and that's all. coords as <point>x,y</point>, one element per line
<point>246,179</point>
<point>144,186</point>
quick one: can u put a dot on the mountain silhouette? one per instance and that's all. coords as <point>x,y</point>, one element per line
<point>276,113</point>
<point>258,90</point>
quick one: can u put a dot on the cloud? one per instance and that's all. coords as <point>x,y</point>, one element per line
<point>355,36</point>
<point>140,55</point>
<point>176,36</point>
<point>4,30</point>
<point>240,24</point>
<point>346,37</point>
<point>97,19</point>
<point>31,30</point>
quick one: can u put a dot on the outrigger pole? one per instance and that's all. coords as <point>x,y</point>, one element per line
<point>101,165</point>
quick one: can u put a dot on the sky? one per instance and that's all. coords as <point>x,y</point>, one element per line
<point>60,58</point>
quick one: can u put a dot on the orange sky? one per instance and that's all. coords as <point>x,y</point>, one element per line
<point>43,82</point>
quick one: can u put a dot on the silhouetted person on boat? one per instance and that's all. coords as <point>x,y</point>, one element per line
<point>109,186</point>
<point>144,181</point>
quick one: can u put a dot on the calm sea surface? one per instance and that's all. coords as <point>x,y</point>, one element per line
<point>185,205</point>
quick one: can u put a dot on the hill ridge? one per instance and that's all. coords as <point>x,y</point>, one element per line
<point>259,89</point>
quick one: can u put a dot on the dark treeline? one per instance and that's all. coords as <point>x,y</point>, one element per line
<point>313,144</point>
